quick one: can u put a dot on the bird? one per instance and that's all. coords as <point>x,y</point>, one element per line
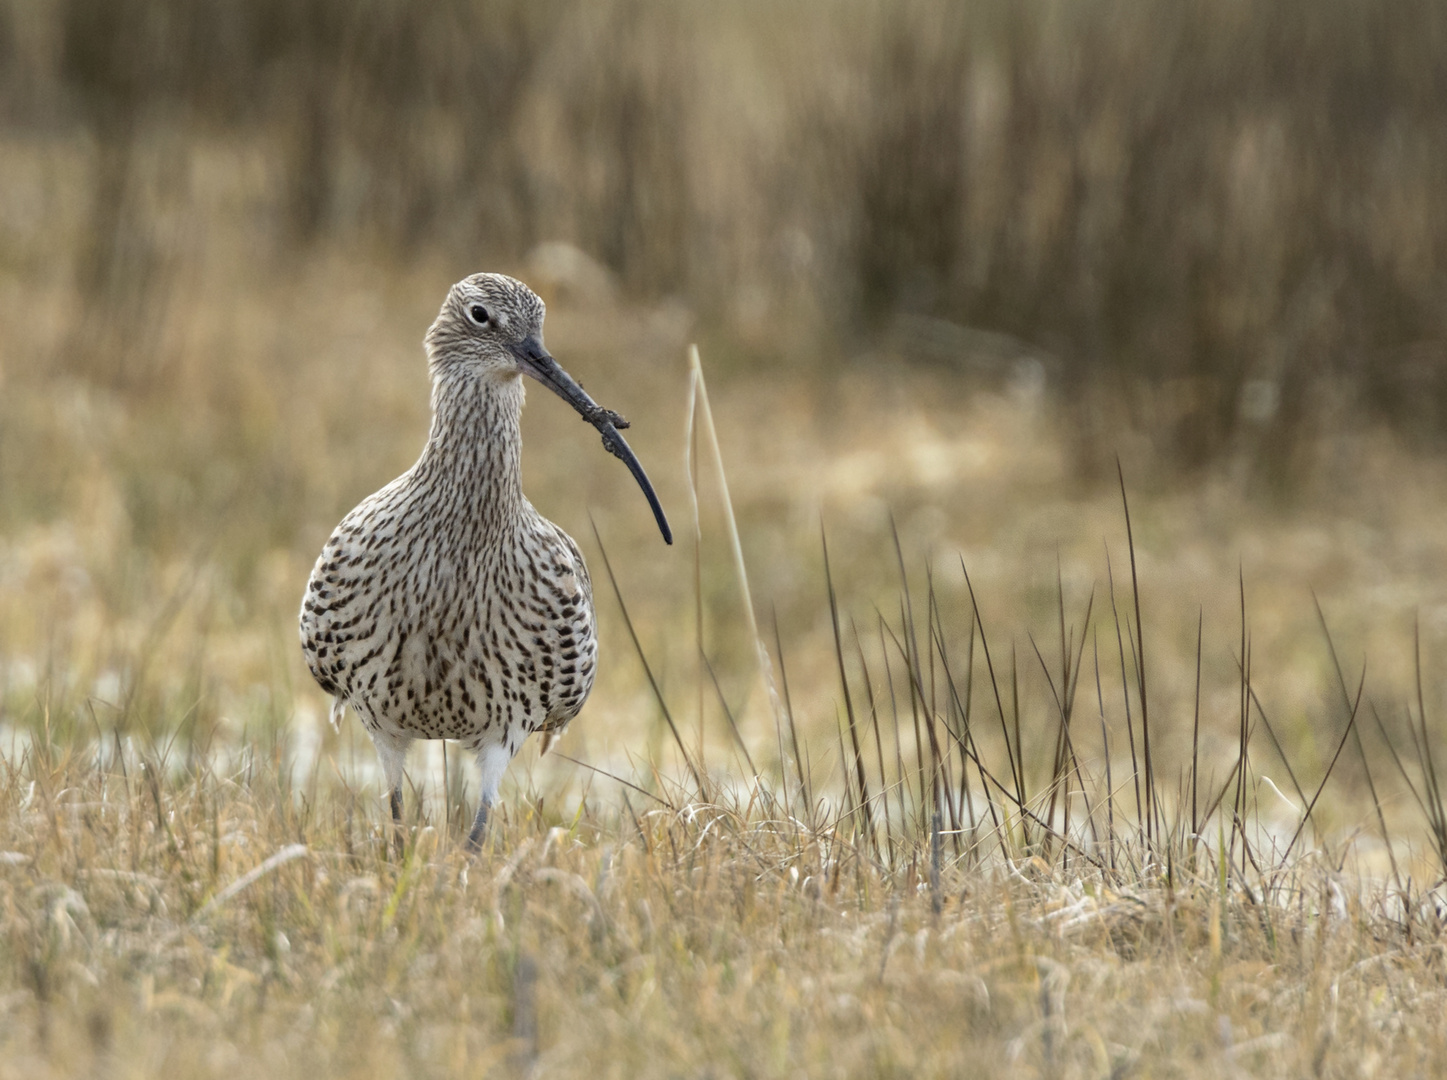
<point>444,606</point>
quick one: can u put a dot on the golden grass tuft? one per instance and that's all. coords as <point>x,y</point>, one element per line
<point>221,922</point>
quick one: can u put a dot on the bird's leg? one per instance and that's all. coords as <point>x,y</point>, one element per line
<point>399,833</point>
<point>479,828</point>
<point>493,761</point>
<point>392,752</point>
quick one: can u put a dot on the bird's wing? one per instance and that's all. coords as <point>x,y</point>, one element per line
<point>344,612</point>
<point>580,568</point>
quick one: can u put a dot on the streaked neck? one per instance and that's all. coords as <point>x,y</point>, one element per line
<point>474,448</point>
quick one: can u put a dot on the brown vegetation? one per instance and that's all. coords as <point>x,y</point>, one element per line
<point>946,265</point>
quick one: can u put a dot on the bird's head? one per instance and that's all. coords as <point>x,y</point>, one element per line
<point>491,326</point>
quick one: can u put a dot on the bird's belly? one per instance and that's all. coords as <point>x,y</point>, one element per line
<point>498,690</point>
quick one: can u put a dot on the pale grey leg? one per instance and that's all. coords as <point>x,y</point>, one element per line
<point>493,761</point>
<point>399,833</point>
<point>479,828</point>
<point>393,754</point>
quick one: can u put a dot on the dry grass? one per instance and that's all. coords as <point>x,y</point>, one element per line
<point>153,554</point>
<point>226,921</point>
<point>196,881</point>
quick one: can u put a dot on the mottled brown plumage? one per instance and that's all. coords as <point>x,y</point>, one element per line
<point>444,606</point>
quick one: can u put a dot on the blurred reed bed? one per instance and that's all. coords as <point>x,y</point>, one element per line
<point>1218,223</point>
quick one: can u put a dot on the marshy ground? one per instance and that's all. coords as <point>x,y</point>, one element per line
<point>1150,802</point>
<point>196,877</point>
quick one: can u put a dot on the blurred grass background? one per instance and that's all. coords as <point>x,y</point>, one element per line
<point>945,262</point>
<point>1220,215</point>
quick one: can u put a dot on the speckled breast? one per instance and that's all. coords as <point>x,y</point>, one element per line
<point>484,646</point>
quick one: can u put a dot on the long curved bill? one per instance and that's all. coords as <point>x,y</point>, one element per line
<point>536,361</point>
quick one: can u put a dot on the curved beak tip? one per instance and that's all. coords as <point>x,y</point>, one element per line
<point>536,362</point>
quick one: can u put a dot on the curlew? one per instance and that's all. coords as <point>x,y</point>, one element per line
<point>444,606</point>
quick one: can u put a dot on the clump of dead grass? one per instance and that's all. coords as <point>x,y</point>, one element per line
<point>210,920</point>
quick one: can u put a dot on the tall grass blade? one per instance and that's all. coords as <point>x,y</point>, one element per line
<point>858,756</point>
<point>1016,771</point>
<point>1357,740</point>
<point>804,792</point>
<point>1140,659</point>
<point>647,668</point>
<point>761,653</point>
<point>1135,769</point>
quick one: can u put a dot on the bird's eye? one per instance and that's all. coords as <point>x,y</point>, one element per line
<point>478,314</point>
